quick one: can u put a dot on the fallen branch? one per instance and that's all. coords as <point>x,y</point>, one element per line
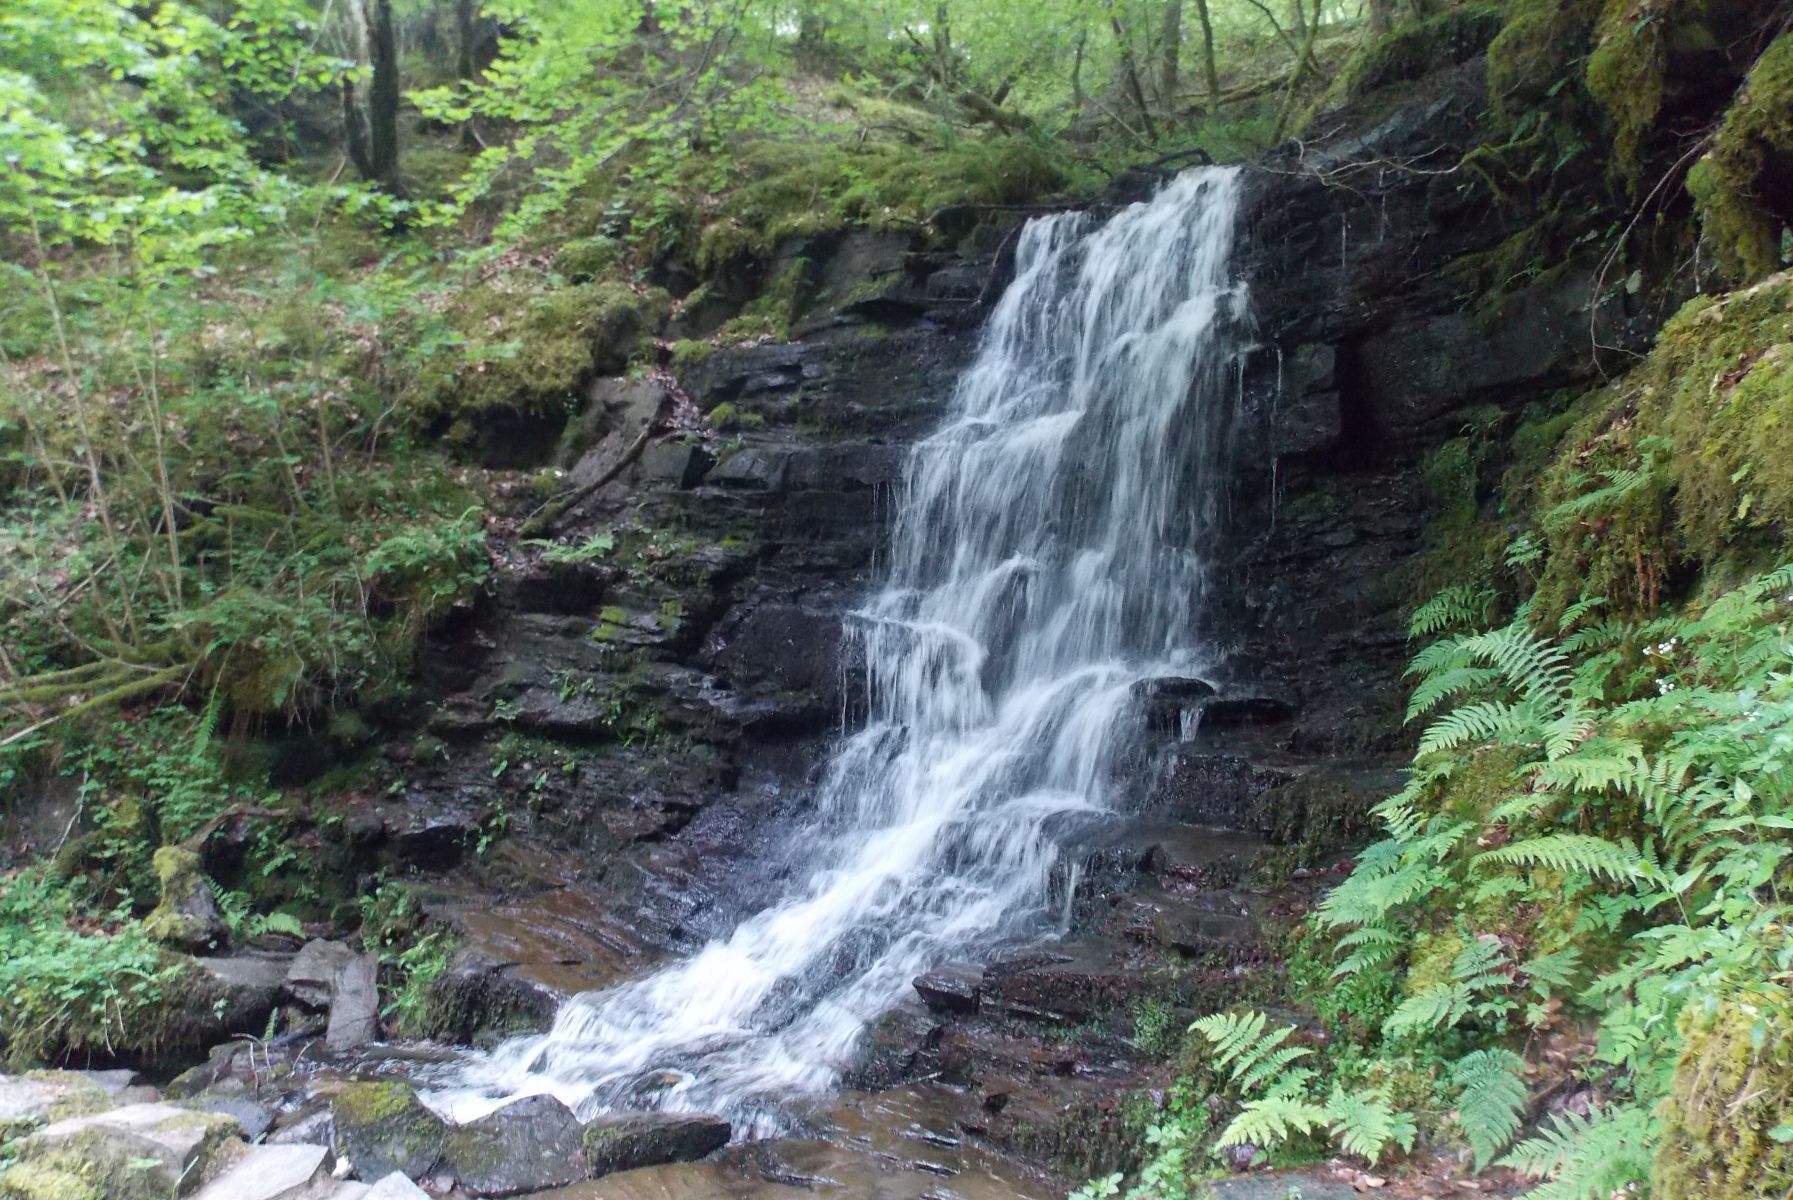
<point>543,520</point>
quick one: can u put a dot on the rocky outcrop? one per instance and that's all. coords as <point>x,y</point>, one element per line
<point>625,1141</point>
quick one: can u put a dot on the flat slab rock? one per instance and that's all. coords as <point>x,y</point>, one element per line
<point>161,1144</point>
<point>271,1173</point>
<point>625,1141</point>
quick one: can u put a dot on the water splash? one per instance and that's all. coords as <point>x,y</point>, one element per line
<point>1045,561</point>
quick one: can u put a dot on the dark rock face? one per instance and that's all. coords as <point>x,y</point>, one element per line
<point>625,1141</point>
<point>529,1145</point>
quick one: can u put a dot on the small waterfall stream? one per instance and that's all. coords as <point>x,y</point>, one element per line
<point>1045,561</point>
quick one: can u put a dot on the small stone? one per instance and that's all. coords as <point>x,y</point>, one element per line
<point>624,1141</point>
<point>383,1127</point>
<point>529,1145</point>
<point>393,1187</point>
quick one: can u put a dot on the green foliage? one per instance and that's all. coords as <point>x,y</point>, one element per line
<point>74,982</point>
<point>393,925</point>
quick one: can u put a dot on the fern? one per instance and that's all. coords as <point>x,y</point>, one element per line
<point>1493,1096</point>
<point>1570,852</point>
<point>1594,1157</point>
<point>1253,1057</point>
<point>1465,605</point>
<point>1364,1124</point>
<point>1269,1122</point>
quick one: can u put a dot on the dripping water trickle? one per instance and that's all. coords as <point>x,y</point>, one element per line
<point>1045,558</point>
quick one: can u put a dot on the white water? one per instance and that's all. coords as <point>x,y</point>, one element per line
<point>1045,560</point>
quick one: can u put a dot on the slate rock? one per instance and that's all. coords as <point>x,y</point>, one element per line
<point>953,988</point>
<point>529,1145</point>
<point>625,1141</point>
<point>269,1173</point>
<point>313,970</point>
<point>139,1150</point>
<point>382,1127</point>
<point>354,1004</point>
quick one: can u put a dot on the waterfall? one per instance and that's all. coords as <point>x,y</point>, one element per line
<point>1045,561</point>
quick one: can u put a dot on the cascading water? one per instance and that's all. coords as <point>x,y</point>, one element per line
<point>1045,562</point>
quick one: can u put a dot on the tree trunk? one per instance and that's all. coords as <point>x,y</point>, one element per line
<point>1170,57</point>
<point>943,47</point>
<point>1130,70</point>
<point>1210,66</point>
<point>466,28</point>
<point>371,115</point>
<point>1382,16</point>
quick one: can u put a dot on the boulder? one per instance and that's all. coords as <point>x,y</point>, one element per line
<point>953,988</point>
<point>245,988</point>
<point>382,1127</point>
<point>187,915</point>
<point>354,1004</point>
<point>236,1103</point>
<point>270,1173</point>
<point>313,970</point>
<point>529,1145</point>
<point>393,1187</point>
<point>138,1152</point>
<point>625,1141</point>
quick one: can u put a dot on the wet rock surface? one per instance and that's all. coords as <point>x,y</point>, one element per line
<point>626,1141</point>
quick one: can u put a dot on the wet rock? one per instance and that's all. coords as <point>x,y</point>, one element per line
<point>953,988</point>
<point>625,1141</point>
<point>1078,987</point>
<point>246,1110</point>
<point>677,464</point>
<point>307,1125</point>
<point>1227,712</point>
<point>313,971</point>
<point>560,588</point>
<point>382,1127</point>
<point>130,1153</point>
<point>1280,1185</point>
<point>270,1173</point>
<point>529,1145</point>
<point>187,915</point>
<point>354,1004</point>
<point>755,467</point>
<point>893,1050</point>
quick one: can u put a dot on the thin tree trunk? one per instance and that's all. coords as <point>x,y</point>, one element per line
<point>1130,68</point>
<point>1170,56</point>
<point>1210,66</point>
<point>1077,74</point>
<point>943,47</point>
<point>1382,16</point>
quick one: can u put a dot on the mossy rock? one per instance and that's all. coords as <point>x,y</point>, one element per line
<point>1537,50</point>
<point>1743,187</point>
<point>38,1181</point>
<point>382,1127</point>
<point>139,1152</point>
<point>1733,1088</point>
<point>187,914</point>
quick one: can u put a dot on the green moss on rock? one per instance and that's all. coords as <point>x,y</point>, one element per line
<point>1743,187</point>
<point>1538,48</point>
<point>38,1181</point>
<point>1733,1087</point>
<point>382,1127</point>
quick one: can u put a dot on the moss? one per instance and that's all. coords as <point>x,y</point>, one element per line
<point>1733,1086</point>
<point>371,1103</point>
<point>1741,187</point>
<point>1413,51</point>
<point>726,416</point>
<point>38,1181</point>
<point>772,311</point>
<point>588,259</point>
<point>529,352</point>
<point>180,876</point>
<point>1539,47</point>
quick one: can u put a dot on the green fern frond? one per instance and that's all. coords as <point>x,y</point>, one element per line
<point>1252,1055</point>
<point>1464,605</point>
<point>1269,1122</point>
<point>1486,721</point>
<point>1437,688</point>
<point>1492,1098</point>
<point>1577,852</point>
<point>1365,1124</point>
<point>1588,1158</point>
